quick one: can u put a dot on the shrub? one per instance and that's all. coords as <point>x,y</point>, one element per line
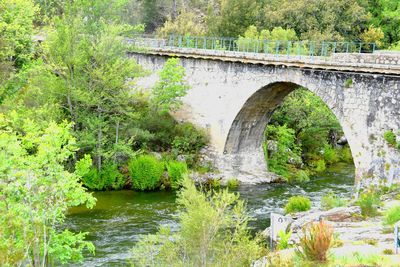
<point>108,178</point>
<point>390,138</point>
<point>345,155</point>
<point>300,176</point>
<point>330,155</point>
<point>146,172</point>
<point>213,231</point>
<point>283,240</point>
<point>392,215</point>
<point>330,200</point>
<point>111,177</point>
<point>369,202</point>
<point>388,251</point>
<point>233,183</point>
<point>297,203</point>
<point>320,166</point>
<point>176,170</point>
<point>316,242</point>
<point>371,241</point>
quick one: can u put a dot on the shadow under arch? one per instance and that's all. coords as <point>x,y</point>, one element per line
<point>244,143</point>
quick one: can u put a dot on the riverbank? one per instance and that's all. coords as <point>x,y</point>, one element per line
<point>121,217</point>
<point>357,240</point>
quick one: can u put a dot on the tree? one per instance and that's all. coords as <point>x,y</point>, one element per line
<point>16,46</point>
<point>171,87</point>
<point>318,19</point>
<point>232,17</point>
<point>213,232</point>
<point>36,192</point>
<point>89,55</point>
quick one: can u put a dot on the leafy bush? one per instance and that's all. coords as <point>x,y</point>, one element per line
<point>286,149</point>
<point>320,166</point>
<point>345,155</point>
<point>330,155</point>
<point>390,138</point>
<point>297,203</point>
<point>316,241</point>
<point>300,176</point>
<point>330,201</point>
<point>284,240</point>
<point>233,183</point>
<point>392,215</point>
<point>369,202</point>
<point>188,139</point>
<point>108,178</point>
<point>213,232</point>
<point>176,171</point>
<point>146,172</point>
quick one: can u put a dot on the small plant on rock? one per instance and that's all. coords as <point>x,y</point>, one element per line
<point>390,138</point>
<point>233,183</point>
<point>392,215</point>
<point>284,240</point>
<point>297,203</point>
<point>369,202</point>
<point>316,241</point>
<point>330,201</point>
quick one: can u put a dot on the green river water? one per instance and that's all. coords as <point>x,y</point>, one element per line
<point>120,217</point>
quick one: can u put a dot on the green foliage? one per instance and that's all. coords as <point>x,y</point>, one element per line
<point>233,183</point>
<point>286,149</point>
<point>186,23</point>
<point>369,202</point>
<point>373,35</point>
<point>330,201</point>
<point>231,17</point>
<point>320,166</point>
<point>16,27</point>
<point>171,87</point>
<point>390,138</point>
<point>316,241</point>
<point>36,192</point>
<point>108,177</point>
<point>330,155</point>
<point>283,240</point>
<point>297,204</point>
<point>213,232</point>
<point>392,215</point>
<point>348,83</point>
<point>145,172</point>
<point>300,176</point>
<point>176,171</point>
<point>345,155</point>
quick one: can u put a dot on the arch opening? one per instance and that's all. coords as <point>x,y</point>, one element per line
<point>247,146</point>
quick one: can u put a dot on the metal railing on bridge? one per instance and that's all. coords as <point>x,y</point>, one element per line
<point>277,48</point>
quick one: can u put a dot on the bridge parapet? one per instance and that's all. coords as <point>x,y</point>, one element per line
<point>294,54</point>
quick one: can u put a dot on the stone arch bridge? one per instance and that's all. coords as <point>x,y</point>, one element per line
<point>233,96</point>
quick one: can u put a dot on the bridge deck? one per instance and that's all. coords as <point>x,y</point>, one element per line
<point>378,63</point>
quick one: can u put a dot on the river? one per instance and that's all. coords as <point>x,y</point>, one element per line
<point>120,217</point>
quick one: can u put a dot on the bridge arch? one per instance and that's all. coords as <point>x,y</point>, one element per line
<point>244,142</point>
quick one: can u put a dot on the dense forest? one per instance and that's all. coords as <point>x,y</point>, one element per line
<point>71,114</point>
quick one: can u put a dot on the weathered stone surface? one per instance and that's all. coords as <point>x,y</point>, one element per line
<point>340,214</point>
<point>234,101</point>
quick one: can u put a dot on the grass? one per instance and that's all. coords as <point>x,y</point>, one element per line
<point>297,204</point>
<point>392,215</point>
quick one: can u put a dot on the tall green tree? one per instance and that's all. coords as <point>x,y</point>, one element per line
<point>89,56</point>
<point>232,17</point>
<point>35,194</point>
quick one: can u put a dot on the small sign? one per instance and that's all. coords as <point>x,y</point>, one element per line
<point>396,238</point>
<point>278,223</point>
